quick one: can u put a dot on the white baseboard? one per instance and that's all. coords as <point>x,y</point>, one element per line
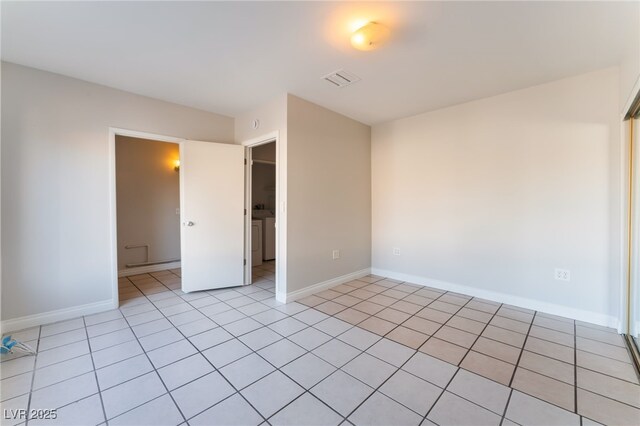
<point>523,302</point>
<point>58,315</point>
<point>315,288</point>
<point>146,269</point>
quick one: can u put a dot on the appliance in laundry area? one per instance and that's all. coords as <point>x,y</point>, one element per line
<point>268,232</point>
<point>256,242</point>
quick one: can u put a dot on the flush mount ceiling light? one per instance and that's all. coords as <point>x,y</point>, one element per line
<point>369,36</point>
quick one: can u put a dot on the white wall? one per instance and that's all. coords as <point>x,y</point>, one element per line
<point>147,196</point>
<point>329,192</point>
<point>490,196</point>
<point>630,65</point>
<point>56,249</point>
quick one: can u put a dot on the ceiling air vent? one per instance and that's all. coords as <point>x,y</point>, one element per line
<point>341,78</point>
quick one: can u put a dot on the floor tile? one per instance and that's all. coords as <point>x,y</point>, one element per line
<point>163,338</point>
<point>309,338</point>
<point>128,395</point>
<point>310,316</point>
<point>407,337</point>
<point>552,336</point>
<point>342,392</point>
<point>65,392</point>
<point>160,411</point>
<point>306,410</point>
<point>352,316</point>
<point>233,411</point>
<point>243,326</point>
<point>411,391</point>
<point>422,325</point>
<point>260,338</point>
<point>359,338</point>
<point>600,336</point>
<point>368,307</point>
<point>60,339</point>
<point>210,338</point>
<point>608,386</point>
<point>332,326</point>
<point>444,350</point>
<point>196,327</point>
<point>108,340</point>
<point>453,410</point>
<point>262,396</point>
<point>565,327</point>
<point>227,352</point>
<point>336,353</point>
<point>122,371</point>
<point>545,388</point>
<point>548,366</point>
<point>247,370</point>
<point>496,349</point>
<point>369,369</point>
<point>308,370</point>
<point>550,349</point>
<point>166,355</point>
<point>488,367</point>
<point>527,410</point>
<point>430,369</point>
<point>466,324</point>
<point>15,386</point>
<point>199,395</point>
<point>481,391</point>
<point>605,410</point>
<point>87,411</point>
<point>61,327</point>
<point>287,326</point>
<point>330,308</point>
<point>382,410</point>
<point>116,353</point>
<point>281,352</point>
<point>19,366</point>
<point>603,349</point>
<point>510,324</point>
<point>183,371</point>
<point>458,337</point>
<point>503,335</point>
<point>391,352</point>
<point>620,370</point>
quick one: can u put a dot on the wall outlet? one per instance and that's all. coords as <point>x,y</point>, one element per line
<point>396,251</point>
<point>336,254</point>
<point>178,212</point>
<point>562,274</point>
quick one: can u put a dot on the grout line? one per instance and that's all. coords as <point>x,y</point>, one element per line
<point>95,372</point>
<point>506,406</point>
<point>33,377</point>
<point>513,375</point>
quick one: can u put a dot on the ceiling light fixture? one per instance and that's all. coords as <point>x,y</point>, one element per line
<point>369,36</point>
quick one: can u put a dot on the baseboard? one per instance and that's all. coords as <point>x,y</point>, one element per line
<point>58,315</point>
<point>324,285</point>
<point>523,302</point>
<point>146,269</point>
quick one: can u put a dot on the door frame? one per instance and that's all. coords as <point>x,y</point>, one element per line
<point>281,222</point>
<point>113,212</point>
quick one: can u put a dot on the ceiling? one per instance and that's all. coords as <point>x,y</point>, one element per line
<point>229,57</point>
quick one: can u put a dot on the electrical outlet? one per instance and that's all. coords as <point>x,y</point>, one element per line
<point>562,274</point>
<point>178,211</point>
<point>396,251</point>
<point>336,254</point>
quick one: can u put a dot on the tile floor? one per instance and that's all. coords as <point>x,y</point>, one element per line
<point>369,352</point>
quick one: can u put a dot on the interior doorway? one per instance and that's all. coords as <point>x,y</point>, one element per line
<point>148,205</point>
<point>262,198</point>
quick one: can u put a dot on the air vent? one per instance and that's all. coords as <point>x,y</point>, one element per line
<point>341,78</point>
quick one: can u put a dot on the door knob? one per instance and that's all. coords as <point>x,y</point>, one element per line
<point>189,223</point>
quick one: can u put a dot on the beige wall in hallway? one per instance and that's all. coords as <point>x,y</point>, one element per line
<point>148,197</point>
<point>329,190</point>
<point>56,183</point>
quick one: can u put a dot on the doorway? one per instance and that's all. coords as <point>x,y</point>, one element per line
<point>210,215</point>
<point>631,316</point>
<point>148,205</point>
<point>262,197</point>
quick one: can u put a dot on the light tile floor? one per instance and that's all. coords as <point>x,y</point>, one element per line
<point>369,352</point>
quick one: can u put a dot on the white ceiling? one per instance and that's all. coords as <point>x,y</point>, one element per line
<point>228,57</point>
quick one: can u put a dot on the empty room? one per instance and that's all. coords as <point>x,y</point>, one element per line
<point>320,213</point>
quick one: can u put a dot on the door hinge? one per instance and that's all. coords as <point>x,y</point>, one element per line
<point>245,161</point>
<point>245,262</point>
<point>245,212</point>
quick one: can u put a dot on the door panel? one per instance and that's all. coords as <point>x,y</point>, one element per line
<point>212,210</point>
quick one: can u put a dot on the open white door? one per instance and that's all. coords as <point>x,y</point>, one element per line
<point>212,213</point>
